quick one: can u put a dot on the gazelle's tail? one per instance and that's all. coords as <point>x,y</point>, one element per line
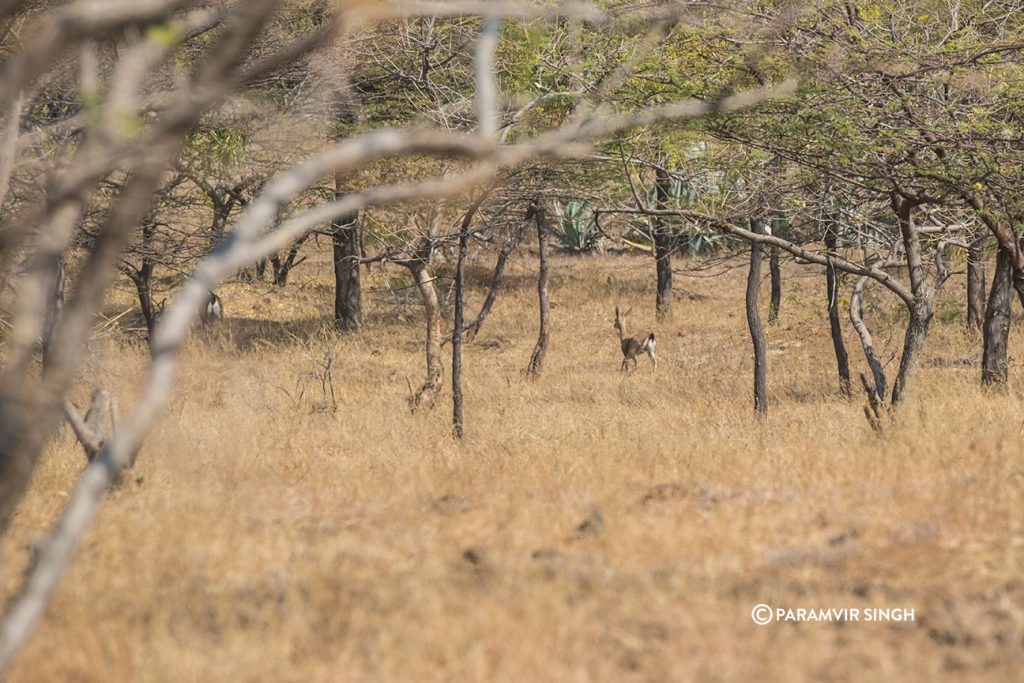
<point>649,342</point>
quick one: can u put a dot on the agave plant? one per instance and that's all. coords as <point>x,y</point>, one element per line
<point>575,228</point>
<point>688,239</point>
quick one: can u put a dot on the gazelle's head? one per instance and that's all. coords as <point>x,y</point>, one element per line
<point>620,319</point>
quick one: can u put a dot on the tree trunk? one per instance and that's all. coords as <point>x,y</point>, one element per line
<point>921,308</point>
<point>754,321</point>
<point>24,427</point>
<point>663,247</point>
<point>876,393</point>
<point>1005,235</point>
<point>913,346</point>
<point>472,328</point>
<point>460,269</point>
<point>997,322</point>
<point>976,283</point>
<point>53,312</point>
<point>142,278</point>
<point>536,212</point>
<point>460,278</point>
<point>832,297</point>
<point>348,298</point>
<point>223,202</point>
<point>432,308</point>
<point>9,148</point>
<point>282,267</point>
<point>904,210</point>
<point>143,281</point>
<point>776,276</point>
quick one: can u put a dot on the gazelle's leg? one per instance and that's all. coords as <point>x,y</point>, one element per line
<point>634,361</point>
<point>654,361</point>
<point>623,368</point>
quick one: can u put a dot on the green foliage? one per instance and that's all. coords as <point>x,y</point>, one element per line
<point>215,150</point>
<point>575,228</point>
<point>686,238</point>
<point>164,35</point>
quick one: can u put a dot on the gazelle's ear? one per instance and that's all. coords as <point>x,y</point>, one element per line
<point>616,311</point>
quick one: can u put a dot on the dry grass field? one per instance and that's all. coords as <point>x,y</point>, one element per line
<point>590,527</point>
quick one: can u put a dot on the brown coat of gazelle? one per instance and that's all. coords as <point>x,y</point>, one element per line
<point>632,346</point>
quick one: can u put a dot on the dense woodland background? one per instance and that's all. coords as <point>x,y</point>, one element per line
<point>325,292</point>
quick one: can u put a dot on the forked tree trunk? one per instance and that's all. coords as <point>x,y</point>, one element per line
<point>143,279</point>
<point>348,296</point>
<point>98,425</point>
<point>472,328</point>
<point>536,212</point>
<point>922,306</point>
<point>663,247</point>
<point>976,283</point>
<point>913,346</point>
<point>996,330</point>
<point>832,298</point>
<point>754,321</point>
<point>776,276</point>
<point>282,267</point>
<point>432,308</point>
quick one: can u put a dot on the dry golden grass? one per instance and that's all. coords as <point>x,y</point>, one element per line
<point>263,538</point>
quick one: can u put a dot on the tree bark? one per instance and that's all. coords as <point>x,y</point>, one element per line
<point>9,147</point>
<point>663,247</point>
<point>29,411</point>
<point>913,346</point>
<point>754,321</point>
<point>460,269</point>
<point>143,281</point>
<point>223,202</point>
<point>996,330</point>
<point>867,344</point>
<point>142,278</point>
<point>776,277</point>
<point>348,297</point>
<point>54,309</point>
<point>832,297</point>
<point>911,244</point>
<point>282,267</point>
<point>432,308</point>
<point>976,283</point>
<point>536,211</point>
<point>921,307</point>
<point>472,328</point>
<point>460,277</point>
<point>1004,234</point>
